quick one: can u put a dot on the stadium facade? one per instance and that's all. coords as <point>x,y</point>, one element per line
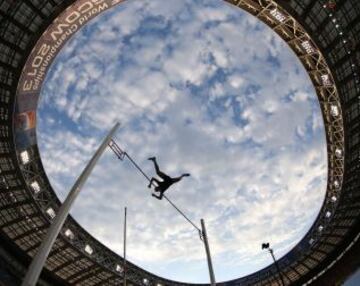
<point>325,35</point>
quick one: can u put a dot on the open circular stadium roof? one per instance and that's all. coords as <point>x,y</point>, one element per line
<point>326,40</point>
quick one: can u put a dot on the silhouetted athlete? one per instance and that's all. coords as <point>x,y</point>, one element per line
<point>166,182</point>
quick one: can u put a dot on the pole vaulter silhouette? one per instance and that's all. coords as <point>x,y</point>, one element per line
<point>121,154</point>
<point>165,183</point>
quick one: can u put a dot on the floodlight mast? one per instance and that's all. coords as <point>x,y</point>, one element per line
<point>39,260</point>
<point>267,246</point>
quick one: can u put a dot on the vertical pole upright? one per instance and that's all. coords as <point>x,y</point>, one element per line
<point>39,260</point>
<point>208,256</point>
<point>124,266</point>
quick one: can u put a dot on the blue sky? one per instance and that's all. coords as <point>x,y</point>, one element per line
<point>209,90</point>
<point>354,280</point>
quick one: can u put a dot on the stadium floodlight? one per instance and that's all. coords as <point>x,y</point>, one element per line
<point>328,214</point>
<point>88,249</point>
<point>69,234</point>
<point>278,15</point>
<point>4,182</point>
<point>338,153</point>
<point>334,110</point>
<point>265,245</point>
<point>271,251</point>
<point>320,228</point>
<point>145,281</point>
<point>24,156</point>
<point>35,186</point>
<point>51,213</point>
<point>159,284</point>
<point>336,184</point>
<point>14,199</point>
<point>308,47</point>
<point>334,199</point>
<point>311,241</point>
<point>118,268</point>
<point>325,79</point>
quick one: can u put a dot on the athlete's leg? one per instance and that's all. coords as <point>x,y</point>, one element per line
<point>152,180</point>
<point>157,169</point>
<point>177,179</point>
<point>159,197</point>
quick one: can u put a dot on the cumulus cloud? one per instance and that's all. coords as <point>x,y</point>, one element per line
<point>208,90</point>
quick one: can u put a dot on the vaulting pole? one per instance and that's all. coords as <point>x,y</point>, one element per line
<point>125,248</point>
<point>208,256</point>
<point>39,260</point>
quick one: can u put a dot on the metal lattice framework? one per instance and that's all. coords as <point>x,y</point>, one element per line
<point>327,43</point>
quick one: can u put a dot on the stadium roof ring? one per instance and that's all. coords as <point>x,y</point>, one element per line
<point>324,37</point>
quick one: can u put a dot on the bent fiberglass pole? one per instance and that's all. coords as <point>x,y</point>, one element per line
<point>39,260</point>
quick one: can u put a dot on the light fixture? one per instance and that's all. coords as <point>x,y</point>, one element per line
<point>333,199</point>
<point>69,234</point>
<point>328,214</point>
<point>278,15</point>
<point>13,198</point>
<point>145,281</point>
<point>118,268</point>
<point>308,47</point>
<point>338,153</point>
<point>51,213</point>
<point>265,245</point>
<point>320,228</point>
<point>24,156</point>
<point>326,81</point>
<point>336,184</point>
<point>88,249</point>
<point>35,186</point>
<point>334,110</point>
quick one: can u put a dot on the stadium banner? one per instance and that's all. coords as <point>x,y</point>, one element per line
<point>40,59</point>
